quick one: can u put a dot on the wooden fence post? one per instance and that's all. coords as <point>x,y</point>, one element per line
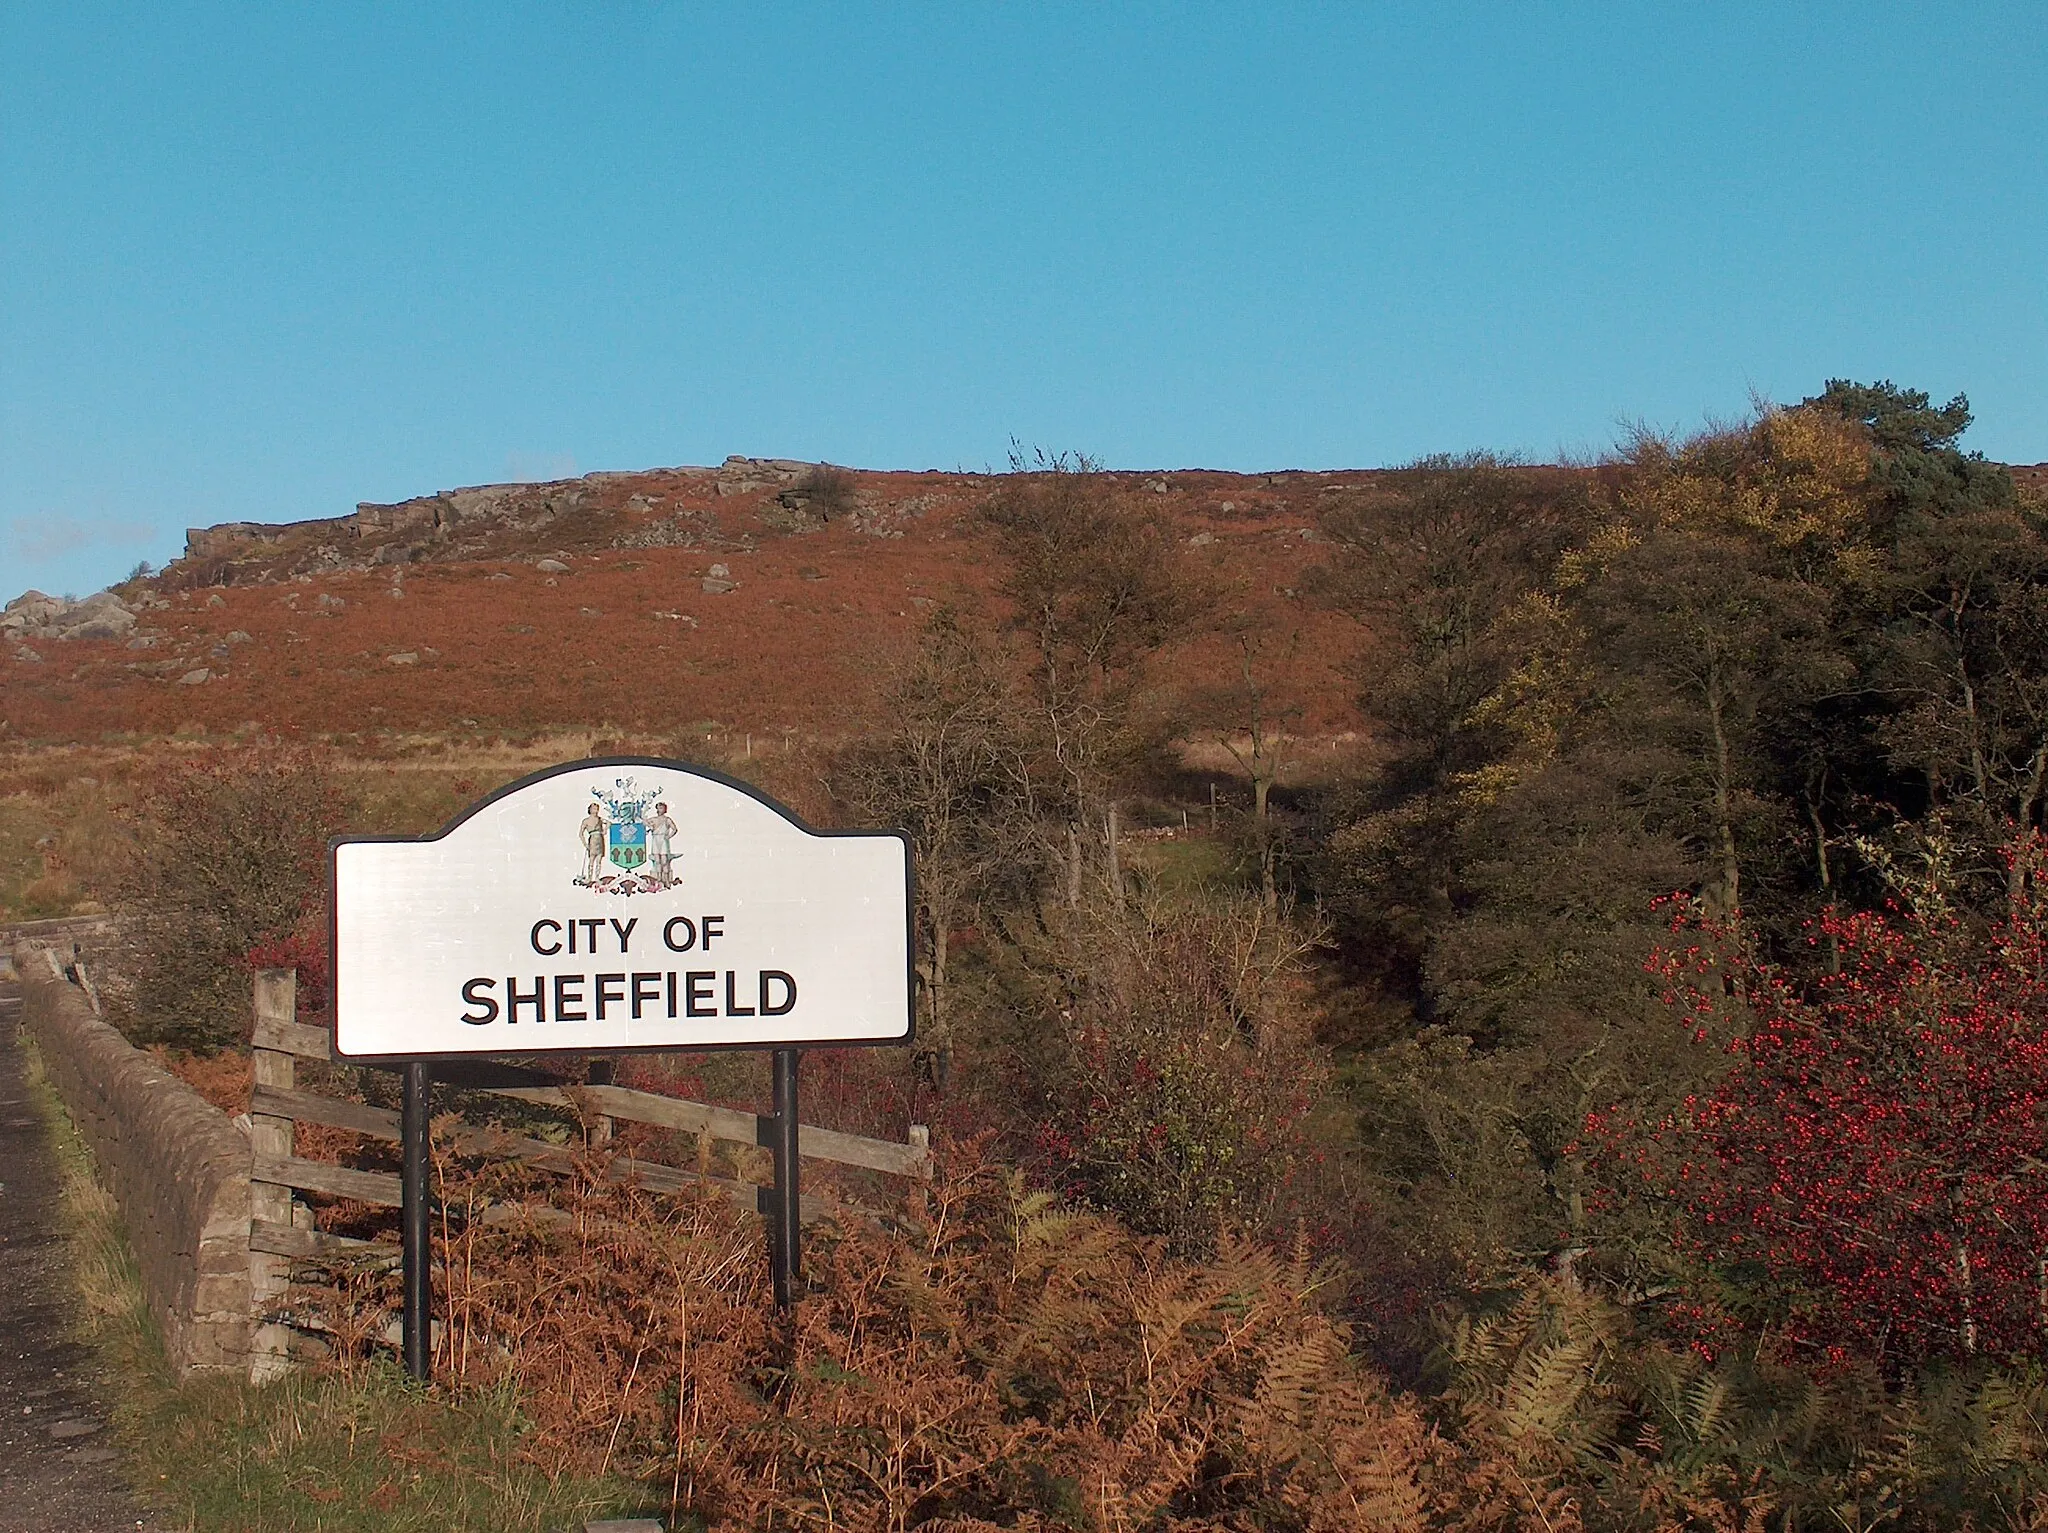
<point>269,1275</point>
<point>921,1145</point>
<point>602,1072</point>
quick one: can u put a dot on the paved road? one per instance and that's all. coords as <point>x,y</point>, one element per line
<point>58,1471</point>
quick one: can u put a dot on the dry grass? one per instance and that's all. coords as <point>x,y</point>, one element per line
<point>109,1288</point>
<point>57,835</point>
<point>371,1451</point>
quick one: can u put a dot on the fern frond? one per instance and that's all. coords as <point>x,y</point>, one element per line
<point>1546,1386</point>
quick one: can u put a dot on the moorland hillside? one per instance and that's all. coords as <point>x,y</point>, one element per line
<point>753,598</point>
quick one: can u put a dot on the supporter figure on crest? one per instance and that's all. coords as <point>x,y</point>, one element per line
<point>593,829</point>
<point>661,832</point>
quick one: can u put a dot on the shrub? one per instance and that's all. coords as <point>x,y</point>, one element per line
<point>1864,1176</point>
<point>228,860</point>
<point>1175,1077</point>
<point>1575,1392</point>
<point>831,490</point>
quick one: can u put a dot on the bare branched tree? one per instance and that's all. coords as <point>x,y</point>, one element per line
<point>1095,585</point>
<point>1250,716</point>
<point>953,770</point>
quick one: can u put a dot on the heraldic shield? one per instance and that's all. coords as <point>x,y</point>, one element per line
<point>628,843</point>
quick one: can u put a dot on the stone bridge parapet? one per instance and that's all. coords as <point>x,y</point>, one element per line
<point>177,1168</point>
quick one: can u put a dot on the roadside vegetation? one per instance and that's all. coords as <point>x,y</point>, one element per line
<point>1606,1097</point>
<point>316,1450</point>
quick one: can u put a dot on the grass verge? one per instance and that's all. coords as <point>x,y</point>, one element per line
<point>313,1452</point>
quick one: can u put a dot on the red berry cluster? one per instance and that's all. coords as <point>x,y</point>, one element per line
<point>1875,1159</point>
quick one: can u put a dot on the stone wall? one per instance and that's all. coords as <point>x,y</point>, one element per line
<point>176,1166</point>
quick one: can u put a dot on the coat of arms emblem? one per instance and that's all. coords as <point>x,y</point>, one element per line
<point>618,833</point>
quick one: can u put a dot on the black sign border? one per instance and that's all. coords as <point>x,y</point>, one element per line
<point>665,764</point>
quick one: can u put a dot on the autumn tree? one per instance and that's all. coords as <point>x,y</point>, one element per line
<point>1951,623</point>
<point>1494,867</point>
<point>1706,630</point>
<point>1440,564</point>
<point>1432,561</point>
<point>1580,697</point>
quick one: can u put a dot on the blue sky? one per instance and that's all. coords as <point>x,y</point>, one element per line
<point>262,262</point>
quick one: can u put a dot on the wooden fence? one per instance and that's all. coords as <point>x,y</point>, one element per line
<point>280,1232</point>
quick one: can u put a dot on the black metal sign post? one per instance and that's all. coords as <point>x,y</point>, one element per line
<point>785,1231</point>
<point>785,1213</point>
<point>417,1326</point>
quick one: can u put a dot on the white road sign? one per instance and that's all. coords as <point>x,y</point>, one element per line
<point>620,904</point>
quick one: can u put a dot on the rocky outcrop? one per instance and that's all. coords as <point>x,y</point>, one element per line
<point>746,476</point>
<point>641,509</point>
<point>234,539</point>
<point>32,615</point>
<point>436,516</point>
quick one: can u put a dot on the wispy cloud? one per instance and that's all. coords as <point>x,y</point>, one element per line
<point>55,535</point>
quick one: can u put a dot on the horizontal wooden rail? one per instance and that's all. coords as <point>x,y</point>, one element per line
<point>382,1189</point>
<point>730,1126</point>
<point>331,1112</point>
<point>383,1123</point>
<point>298,1038</point>
<point>725,1124</point>
<point>289,1240</point>
<point>378,1187</point>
